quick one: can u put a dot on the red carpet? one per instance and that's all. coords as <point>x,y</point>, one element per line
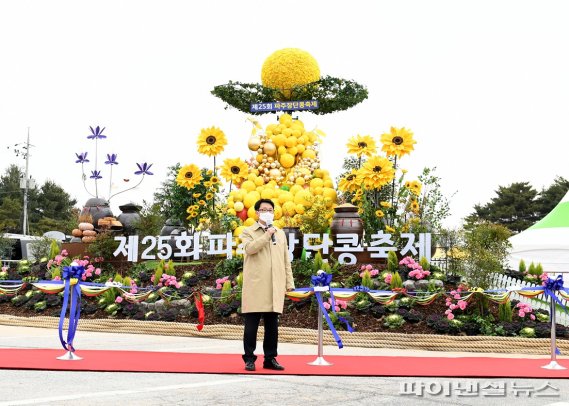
<point>140,361</point>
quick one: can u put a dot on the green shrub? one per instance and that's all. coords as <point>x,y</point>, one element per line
<point>396,282</point>
<point>522,266</point>
<point>505,311</point>
<point>392,262</point>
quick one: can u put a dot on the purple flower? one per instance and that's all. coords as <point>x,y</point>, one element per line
<point>95,175</point>
<point>111,159</point>
<point>81,158</point>
<point>144,169</point>
<point>96,133</point>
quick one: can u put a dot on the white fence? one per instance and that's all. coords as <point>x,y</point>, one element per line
<point>500,281</point>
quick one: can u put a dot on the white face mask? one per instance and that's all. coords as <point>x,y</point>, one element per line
<point>267,218</point>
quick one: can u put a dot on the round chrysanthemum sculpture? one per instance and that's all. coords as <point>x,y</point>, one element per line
<point>294,75</point>
<point>288,68</point>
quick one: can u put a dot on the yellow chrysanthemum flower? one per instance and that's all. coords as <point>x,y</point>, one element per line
<point>194,215</point>
<point>349,182</point>
<point>208,184</point>
<point>190,209</point>
<point>379,214</point>
<point>387,205</point>
<point>189,176</point>
<point>361,145</point>
<point>209,196</point>
<point>376,172</point>
<point>398,142</point>
<point>211,141</point>
<point>201,202</point>
<point>287,68</point>
<point>389,229</point>
<point>196,195</point>
<point>214,180</point>
<point>196,207</point>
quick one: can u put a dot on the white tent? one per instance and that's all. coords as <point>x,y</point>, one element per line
<point>546,242</point>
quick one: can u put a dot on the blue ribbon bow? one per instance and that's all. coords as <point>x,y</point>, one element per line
<point>324,279</point>
<point>555,285</point>
<point>71,293</point>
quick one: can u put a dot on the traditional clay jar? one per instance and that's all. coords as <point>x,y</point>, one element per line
<point>171,225</point>
<point>297,252</point>
<point>97,208</point>
<point>346,220</point>
<point>129,217</point>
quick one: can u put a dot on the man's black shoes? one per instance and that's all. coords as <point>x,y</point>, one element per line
<point>273,364</point>
<point>249,366</point>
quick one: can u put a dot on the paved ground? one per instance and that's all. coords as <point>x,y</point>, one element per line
<point>89,388</point>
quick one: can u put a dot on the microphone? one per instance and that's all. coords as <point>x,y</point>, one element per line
<point>273,239</point>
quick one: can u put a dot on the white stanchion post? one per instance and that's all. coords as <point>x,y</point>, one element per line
<point>70,356</point>
<point>320,361</point>
<point>553,363</point>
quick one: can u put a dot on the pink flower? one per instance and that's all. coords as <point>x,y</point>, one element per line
<point>133,290</point>
<point>363,268</point>
<point>64,253</point>
<point>453,306</point>
<point>450,316</point>
<point>326,305</point>
<point>521,313</point>
<point>218,286</point>
<point>374,272</point>
<point>152,279</point>
<point>97,271</point>
<point>387,278</point>
<point>369,267</point>
<point>119,299</point>
<point>462,304</point>
<point>457,296</point>
<point>57,278</point>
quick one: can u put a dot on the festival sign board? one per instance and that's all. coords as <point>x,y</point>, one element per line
<point>284,106</point>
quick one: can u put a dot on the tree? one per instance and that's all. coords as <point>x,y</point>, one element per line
<point>515,207</point>
<point>519,206</point>
<point>548,198</point>
<point>49,206</point>
<point>486,247</point>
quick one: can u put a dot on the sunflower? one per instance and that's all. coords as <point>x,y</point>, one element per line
<point>414,206</point>
<point>398,142</point>
<point>361,145</point>
<point>357,196</point>
<point>209,196</point>
<point>349,182</point>
<point>208,184</point>
<point>234,170</point>
<point>190,209</point>
<point>211,141</point>
<point>415,187</point>
<point>189,176</point>
<point>214,180</point>
<point>196,195</point>
<point>379,214</point>
<point>376,172</point>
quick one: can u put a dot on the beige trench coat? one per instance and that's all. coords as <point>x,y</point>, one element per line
<point>267,273</point>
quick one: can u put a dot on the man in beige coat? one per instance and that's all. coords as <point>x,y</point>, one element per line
<point>267,276</point>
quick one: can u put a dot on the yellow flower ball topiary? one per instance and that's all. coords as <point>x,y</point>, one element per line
<point>287,68</point>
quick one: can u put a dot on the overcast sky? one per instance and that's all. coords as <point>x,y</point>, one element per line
<point>484,85</point>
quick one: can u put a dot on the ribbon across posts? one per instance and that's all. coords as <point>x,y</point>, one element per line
<point>72,299</point>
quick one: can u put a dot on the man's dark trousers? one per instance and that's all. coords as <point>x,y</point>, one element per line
<point>271,321</point>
